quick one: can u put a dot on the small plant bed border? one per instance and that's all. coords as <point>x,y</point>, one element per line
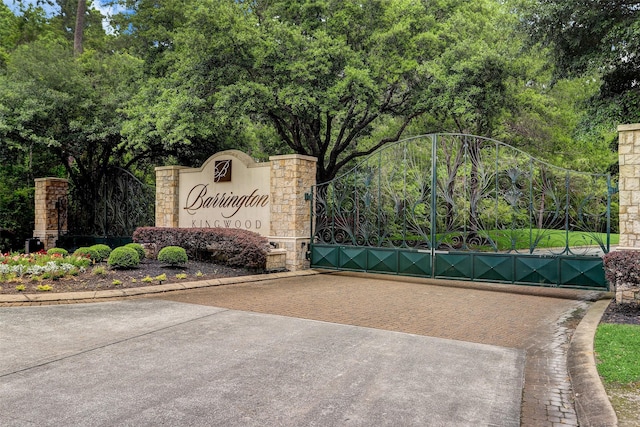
<point>99,276</point>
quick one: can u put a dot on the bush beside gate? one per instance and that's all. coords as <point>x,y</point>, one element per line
<point>233,247</point>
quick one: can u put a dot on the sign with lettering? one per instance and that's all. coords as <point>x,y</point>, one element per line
<point>230,190</point>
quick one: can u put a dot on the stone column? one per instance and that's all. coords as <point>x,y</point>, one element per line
<point>50,199</point>
<point>629,195</point>
<point>629,186</point>
<point>291,177</point>
<point>167,202</point>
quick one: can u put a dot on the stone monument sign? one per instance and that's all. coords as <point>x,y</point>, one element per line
<point>230,190</point>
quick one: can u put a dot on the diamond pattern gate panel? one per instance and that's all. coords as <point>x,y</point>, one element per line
<point>464,207</point>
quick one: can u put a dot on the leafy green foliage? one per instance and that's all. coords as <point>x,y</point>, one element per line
<point>59,251</point>
<point>173,255</point>
<point>8,33</point>
<point>138,248</point>
<point>87,252</point>
<point>102,252</point>
<point>598,38</point>
<point>123,257</point>
<point>177,81</point>
<point>324,75</point>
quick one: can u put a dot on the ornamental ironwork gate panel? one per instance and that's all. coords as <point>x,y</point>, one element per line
<point>107,210</point>
<point>464,207</point>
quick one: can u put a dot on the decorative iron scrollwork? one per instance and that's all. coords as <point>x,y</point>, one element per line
<point>463,193</point>
<point>116,206</point>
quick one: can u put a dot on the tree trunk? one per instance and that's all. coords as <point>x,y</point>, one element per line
<point>79,30</point>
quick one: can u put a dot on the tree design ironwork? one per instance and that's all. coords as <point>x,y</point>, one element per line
<point>463,193</point>
<point>115,207</point>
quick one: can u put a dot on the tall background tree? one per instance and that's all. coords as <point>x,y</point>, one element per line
<point>328,76</point>
<point>61,110</point>
<point>597,40</point>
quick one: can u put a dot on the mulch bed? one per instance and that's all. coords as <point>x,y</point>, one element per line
<point>628,314</point>
<point>131,278</point>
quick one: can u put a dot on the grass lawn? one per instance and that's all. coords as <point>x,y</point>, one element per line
<point>522,238</point>
<point>617,350</point>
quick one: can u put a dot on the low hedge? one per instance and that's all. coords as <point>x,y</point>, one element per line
<point>87,252</point>
<point>233,247</point>
<point>138,248</point>
<point>58,251</point>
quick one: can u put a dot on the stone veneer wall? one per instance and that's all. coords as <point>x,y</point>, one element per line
<point>629,187</point>
<point>291,177</point>
<point>167,203</point>
<point>48,192</point>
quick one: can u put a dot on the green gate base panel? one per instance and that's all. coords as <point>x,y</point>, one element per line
<point>576,272</point>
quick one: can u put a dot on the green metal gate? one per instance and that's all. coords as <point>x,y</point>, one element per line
<point>464,207</point>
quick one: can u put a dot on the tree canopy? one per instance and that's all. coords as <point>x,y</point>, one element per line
<point>327,74</point>
<point>599,38</point>
<point>175,81</point>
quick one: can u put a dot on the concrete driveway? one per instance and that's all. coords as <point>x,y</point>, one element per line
<point>294,349</point>
<point>152,362</point>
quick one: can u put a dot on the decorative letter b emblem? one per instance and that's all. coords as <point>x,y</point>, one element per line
<point>222,171</point>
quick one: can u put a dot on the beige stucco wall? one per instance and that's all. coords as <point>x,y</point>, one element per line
<point>243,202</point>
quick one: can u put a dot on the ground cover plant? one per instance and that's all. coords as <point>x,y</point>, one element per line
<point>36,267</point>
<point>618,350</point>
<point>42,272</point>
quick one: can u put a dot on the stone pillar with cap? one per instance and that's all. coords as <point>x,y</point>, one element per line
<point>50,210</point>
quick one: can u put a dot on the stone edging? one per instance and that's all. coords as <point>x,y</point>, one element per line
<point>19,299</point>
<point>591,401</point>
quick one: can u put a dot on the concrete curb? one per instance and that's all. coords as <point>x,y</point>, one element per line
<point>592,403</point>
<point>20,299</point>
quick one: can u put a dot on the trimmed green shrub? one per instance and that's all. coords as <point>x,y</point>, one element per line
<point>138,248</point>
<point>58,251</point>
<point>102,251</point>
<point>173,255</point>
<point>123,257</point>
<point>87,252</point>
